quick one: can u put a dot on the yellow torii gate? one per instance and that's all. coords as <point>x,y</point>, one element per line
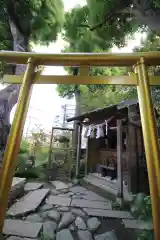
<point>140,61</point>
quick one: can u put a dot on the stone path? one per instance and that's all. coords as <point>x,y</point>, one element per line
<point>28,203</point>
<point>65,212</point>
<point>32,186</point>
<point>21,228</point>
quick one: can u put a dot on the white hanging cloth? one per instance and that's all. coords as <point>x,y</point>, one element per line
<point>92,135</point>
<point>89,131</point>
<point>106,123</point>
<point>100,132</point>
<point>86,132</point>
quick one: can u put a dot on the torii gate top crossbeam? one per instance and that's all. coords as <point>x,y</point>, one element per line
<point>81,59</point>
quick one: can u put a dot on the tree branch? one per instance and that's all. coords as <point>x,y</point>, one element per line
<point>108,18</point>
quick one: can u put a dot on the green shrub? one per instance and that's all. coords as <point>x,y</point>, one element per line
<point>23,150</point>
<point>31,173</point>
<point>42,155</point>
<point>142,209</point>
<point>21,161</point>
<point>145,235</point>
<point>24,147</point>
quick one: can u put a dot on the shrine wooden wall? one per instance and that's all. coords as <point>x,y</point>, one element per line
<point>93,155</point>
<point>134,173</point>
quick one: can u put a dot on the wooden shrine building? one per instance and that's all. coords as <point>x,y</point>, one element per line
<point>115,155</point>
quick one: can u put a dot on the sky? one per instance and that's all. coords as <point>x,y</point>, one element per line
<point>45,103</point>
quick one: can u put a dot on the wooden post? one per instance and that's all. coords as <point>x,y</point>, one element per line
<point>151,143</point>
<point>69,163</point>
<point>50,150</point>
<point>14,139</point>
<point>119,159</point>
<point>78,155</point>
<point>131,148</point>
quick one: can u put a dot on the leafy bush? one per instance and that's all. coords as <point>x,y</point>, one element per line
<point>42,155</point>
<point>32,173</point>
<point>142,209</point>
<point>63,139</point>
<point>22,158</point>
<point>23,150</point>
<point>24,147</point>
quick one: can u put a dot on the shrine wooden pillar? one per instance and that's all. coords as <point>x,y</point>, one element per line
<point>78,155</point>
<point>119,159</point>
<point>132,151</point>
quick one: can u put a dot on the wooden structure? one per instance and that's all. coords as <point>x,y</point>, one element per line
<point>68,151</point>
<point>118,156</point>
<point>140,79</point>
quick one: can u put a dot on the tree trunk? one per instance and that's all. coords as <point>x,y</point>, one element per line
<point>77,113</point>
<point>9,95</point>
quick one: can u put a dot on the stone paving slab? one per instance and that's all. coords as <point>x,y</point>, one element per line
<point>65,234</point>
<point>108,213</point>
<point>31,186</point>
<point>79,189</point>
<point>137,224</point>
<point>34,218</point>
<point>46,207</point>
<point>66,220</point>
<point>61,201</point>
<point>90,204</point>
<point>17,181</point>
<point>93,224</point>
<point>21,228</point>
<point>59,185</point>
<point>84,235</point>
<point>30,202</point>
<point>106,236</point>
<point>19,238</point>
<point>49,229</point>
<point>93,197</point>
<point>78,212</point>
<point>80,224</point>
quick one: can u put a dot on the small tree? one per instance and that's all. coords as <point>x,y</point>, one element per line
<point>38,139</point>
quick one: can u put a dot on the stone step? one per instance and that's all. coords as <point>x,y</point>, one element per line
<point>17,189</point>
<point>137,224</point>
<point>82,203</point>
<point>108,213</point>
<point>59,185</point>
<point>21,228</point>
<point>31,186</point>
<point>29,203</point>
<point>61,201</point>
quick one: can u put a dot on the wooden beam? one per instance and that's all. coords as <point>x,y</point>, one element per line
<point>114,80</point>
<point>81,59</point>
<point>119,159</point>
<point>83,80</point>
<point>62,128</point>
